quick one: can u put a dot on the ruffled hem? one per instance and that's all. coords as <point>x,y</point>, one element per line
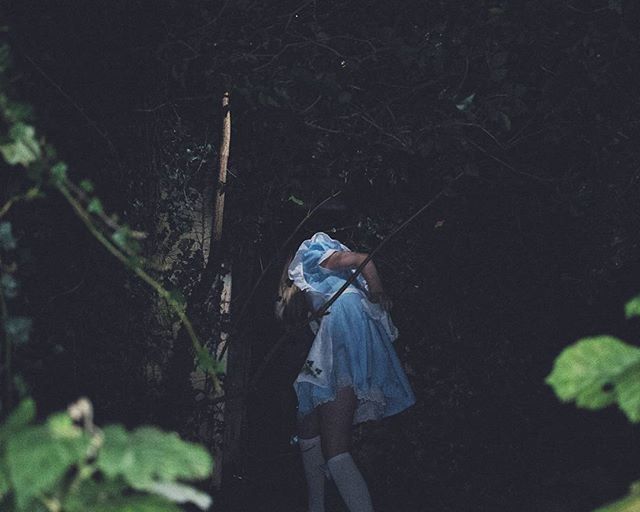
<point>372,404</point>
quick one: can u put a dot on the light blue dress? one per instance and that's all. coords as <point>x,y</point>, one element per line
<point>353,344</point>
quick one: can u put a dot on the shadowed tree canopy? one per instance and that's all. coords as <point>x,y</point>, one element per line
<point>534,105</point>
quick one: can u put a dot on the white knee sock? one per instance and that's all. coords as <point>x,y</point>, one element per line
<point>350,483</point>
<point>313,462</point>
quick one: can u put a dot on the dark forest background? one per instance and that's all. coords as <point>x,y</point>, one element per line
<point>526,112</point>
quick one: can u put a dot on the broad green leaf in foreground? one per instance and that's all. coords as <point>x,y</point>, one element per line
<point>21,416</point>
<point>148,455</point>
<point>599,371</point>
<point>629,504</point>
<point>5,485</point>
<point>36,461</point>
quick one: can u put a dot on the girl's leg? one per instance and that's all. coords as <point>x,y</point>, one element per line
<point>309,425</point>
<point>312,459</point>
<point>336,418</point>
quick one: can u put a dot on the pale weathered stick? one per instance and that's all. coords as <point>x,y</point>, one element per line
<point>222,169</point>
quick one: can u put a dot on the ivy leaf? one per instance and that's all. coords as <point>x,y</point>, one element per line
<point>7,242</point>
<point>632,308</point>
<point>23,148</point>
<point>59,173</point>
<point>466,103</point>
<point>599,371</point>
<point>87,186</point>
<point>95,206</point>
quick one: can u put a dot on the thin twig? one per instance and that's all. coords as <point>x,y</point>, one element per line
<point>508,166</point>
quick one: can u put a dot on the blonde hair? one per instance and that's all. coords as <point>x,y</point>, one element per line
<point>291,306</point>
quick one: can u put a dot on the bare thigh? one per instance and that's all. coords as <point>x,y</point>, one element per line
<point>336,418</point>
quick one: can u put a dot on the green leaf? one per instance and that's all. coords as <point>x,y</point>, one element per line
<point>116,456</point>
<point>59,173</point>
<point>61,426</point>
<point>95,206</point>
<point>629,504</point>
<point>120,237</point>
<point>5,485</point>
<point>23,147</point>
<point>466,103</point>
<point>18,329</point>
<point>33,193</point>
<point>87,186</point>
<point>7,242</point>
<point>632,308</point>
<point>93,493</point>
<point>149,455</point>
<point>596,372</point>
<point>180,493</point>
<point>34,447</point>
<point>19,418</point>
<point>208,363</point>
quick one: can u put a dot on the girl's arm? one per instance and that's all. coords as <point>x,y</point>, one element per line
<point>347,260</point>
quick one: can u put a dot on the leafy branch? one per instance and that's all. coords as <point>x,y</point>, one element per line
<point>21,146</point>
<point>599,371</point>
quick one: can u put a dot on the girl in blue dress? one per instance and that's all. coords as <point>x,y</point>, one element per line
<point>352,373</point>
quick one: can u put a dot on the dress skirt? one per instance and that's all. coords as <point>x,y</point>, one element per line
<point>359,345</point>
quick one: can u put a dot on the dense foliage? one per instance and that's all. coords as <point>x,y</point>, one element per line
<point>65,467</point>
<point>534,102</point>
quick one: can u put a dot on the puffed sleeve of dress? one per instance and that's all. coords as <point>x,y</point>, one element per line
<point>308,274</point>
